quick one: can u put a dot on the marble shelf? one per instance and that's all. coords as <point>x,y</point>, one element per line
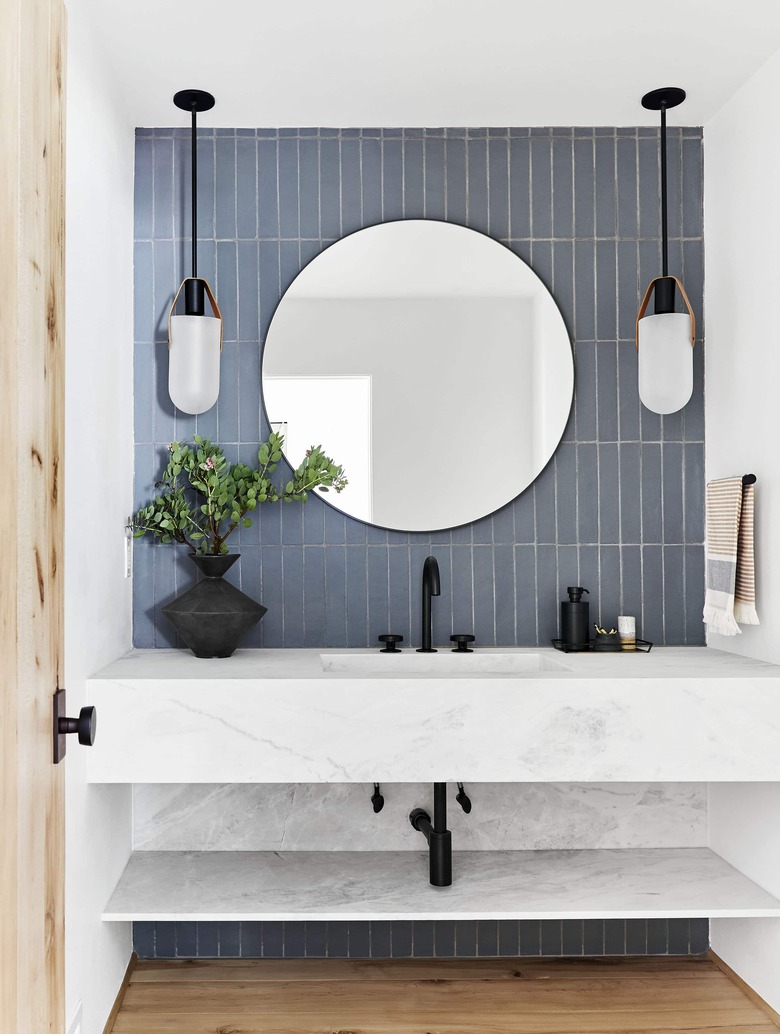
<point>361,885</point>
<point>678,714</point>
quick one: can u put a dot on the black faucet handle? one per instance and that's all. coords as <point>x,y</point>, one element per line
<point>390,643</point>
<point>463,799</point>
<point>463,643</point>
<point>377,800</point>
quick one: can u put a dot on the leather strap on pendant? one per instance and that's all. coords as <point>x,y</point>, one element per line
<point>646,300</point>
<point>212,302</point>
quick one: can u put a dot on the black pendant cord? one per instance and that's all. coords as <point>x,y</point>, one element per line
<point>194,191</point>
<point>664,215</point>
<point>194,101</point>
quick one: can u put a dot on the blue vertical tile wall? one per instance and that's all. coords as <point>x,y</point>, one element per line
<point>619,508</point>
<point>422,939</point>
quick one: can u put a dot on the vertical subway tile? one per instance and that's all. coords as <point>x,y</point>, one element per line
<point>208,940</point>
<point>652,476</point>
<point>614,937</point>
<point>607,389</point>
<point>584,187</point>
<point>636,937</point>
<point>593,937</point>
<point>164,941</point>
<point>587,493</point>
<point>606,187</point>
<point>422,934</point>
<point>401,930</point>
<point>626,187</point>
<point>455,171</point>
<point>628,296</point>
<point>267,188</point>
<point>206,187</point>
<point>392,179</point>
<point>674,596</point>
<point>143,940</point>
<point>477,158</point>
<point>226,185</point>
<point>519,187</point>
<point>693,504</point>
<point>679,936</point>
<point>544,496</point>
<point>487,938</point>
<point>498,188</point>
<point>546,595</point>
<point>435,187</point>
<point>572,937</point>
<point>673,517</point>
<point>163,187</point>
<point>330,188</point>
<point>465,938</point>
<point>566,492</point>
<point>229,940</point>
<point>562,174</point>
<point>526,595</point>
<point>381,940</point>
<point>358,632</point>
<point>246,192</point>
<point>309,187</point>
<point>699,936</point>
<point>563,280</point>
<point>314,596</point>
<point>609,495</point>
<point>248,298</point>
<point>584,291</point>
<point>186,935</point>
<point>273,940</point>
<point>653,593</point>
<point>606,290</point>
<point>628,393</point>
<point>251,940</point>
<point>371,180</point>
<point>552,938</point>
<point>541,187</point>
<point>414,179</point>
<point>657,936</point>
<point>629,473</point>
<point>484,626</point>
<point>508,938</point>
<point>444,939</point>
<point>143,188</point>
<point>289,198</point>
<point>530,938</point>
<point>649,187</point>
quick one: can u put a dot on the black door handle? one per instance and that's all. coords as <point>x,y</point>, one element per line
<point>85,726</point>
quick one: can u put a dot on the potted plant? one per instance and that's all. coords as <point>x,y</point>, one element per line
<point>202,500</point>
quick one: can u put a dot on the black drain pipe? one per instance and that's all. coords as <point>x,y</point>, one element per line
<point>438,836</point>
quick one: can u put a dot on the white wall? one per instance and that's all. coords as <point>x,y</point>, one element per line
<point>742,261</point>
<point>98,485</point>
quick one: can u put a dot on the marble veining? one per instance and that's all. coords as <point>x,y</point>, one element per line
<point>303,885</point>
<point>675,715</point>
<point>339,816</point>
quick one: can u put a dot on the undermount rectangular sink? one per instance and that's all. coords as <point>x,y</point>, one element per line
<point>441,663</point>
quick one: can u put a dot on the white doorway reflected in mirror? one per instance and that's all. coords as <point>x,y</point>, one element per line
<point>334,412</point>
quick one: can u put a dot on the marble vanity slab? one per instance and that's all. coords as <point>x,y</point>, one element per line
<point>276,716</point>
<point>360,885</point>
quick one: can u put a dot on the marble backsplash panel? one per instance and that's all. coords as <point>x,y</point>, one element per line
<point>339,816</point>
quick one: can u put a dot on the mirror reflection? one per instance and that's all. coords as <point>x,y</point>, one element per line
<point>431,361</point>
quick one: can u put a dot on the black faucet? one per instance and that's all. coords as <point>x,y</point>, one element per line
<point>430,587</point>
<point>436,833</point>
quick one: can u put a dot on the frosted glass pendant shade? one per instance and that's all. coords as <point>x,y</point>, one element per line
<point>665,345</point>
<point>665,361</point>
<point>194,349</point>
<point>193,362</point>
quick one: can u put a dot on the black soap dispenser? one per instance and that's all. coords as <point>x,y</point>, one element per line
<point>575,620</point>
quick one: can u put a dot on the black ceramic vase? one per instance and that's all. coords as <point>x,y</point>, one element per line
<point>213,616</point>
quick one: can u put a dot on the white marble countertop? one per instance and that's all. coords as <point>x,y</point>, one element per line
<point>671,662</point>
<point>360,885</point>
<point>674,715</point>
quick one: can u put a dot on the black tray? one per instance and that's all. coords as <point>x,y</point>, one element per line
<point>642,646</point>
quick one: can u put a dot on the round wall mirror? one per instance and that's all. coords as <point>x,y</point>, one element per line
<point>431,362</point>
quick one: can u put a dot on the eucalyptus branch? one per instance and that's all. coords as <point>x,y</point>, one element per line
<point>198,480</point>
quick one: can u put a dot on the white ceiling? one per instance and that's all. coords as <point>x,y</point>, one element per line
<point>429,62</point>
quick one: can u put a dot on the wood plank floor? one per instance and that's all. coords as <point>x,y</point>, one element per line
<point>491,996</point>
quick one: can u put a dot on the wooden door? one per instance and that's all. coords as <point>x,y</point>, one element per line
<point>31,513</point>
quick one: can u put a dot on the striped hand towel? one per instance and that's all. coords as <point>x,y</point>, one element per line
<point>731,595</point>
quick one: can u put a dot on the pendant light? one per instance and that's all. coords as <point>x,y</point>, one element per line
<point>665,339</point>
<point>194,339</point>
